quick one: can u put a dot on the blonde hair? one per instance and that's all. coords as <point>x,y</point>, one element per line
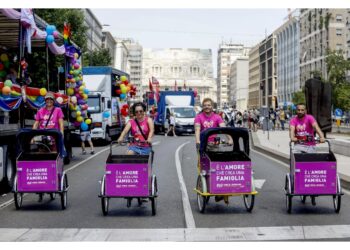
<point>207,100</point>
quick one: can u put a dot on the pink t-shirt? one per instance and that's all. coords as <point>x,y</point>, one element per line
<point>303,127</point>
<point>135,131</point>
<point>43,115</point>
<point>211,121</point>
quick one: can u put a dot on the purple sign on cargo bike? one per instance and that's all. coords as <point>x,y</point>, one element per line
<point>37,176</point>
<point>127,180</point>
<point>315,178</point>
<point>231,177</point>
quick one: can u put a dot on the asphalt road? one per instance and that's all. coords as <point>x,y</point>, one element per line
<point>84,206</point>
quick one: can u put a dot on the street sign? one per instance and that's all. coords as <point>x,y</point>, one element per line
<point>338,113</point>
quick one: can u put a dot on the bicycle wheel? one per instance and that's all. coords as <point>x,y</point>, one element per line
<point>18,197</point>
<point>337,203</point>
<point>201,200</point>
<point>249,202</point>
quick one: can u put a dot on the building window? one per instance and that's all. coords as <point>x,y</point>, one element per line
<point>338,32</point>
<point>175,70</point>
<point>339,46</point>
<point>339,18</point>
<point>157,70</point>
<point>194,70</point>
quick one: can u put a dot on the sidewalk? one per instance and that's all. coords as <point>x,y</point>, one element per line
<point>278,146</point>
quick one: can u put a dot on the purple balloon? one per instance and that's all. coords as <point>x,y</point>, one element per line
<point>81,102</point>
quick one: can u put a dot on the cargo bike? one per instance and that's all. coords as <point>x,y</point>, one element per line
<point>40,166</point>
<point>224,168</point>
<point>313,175</point>
<point>129,177</point>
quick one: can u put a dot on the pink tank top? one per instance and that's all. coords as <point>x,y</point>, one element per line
<point>135,131</point>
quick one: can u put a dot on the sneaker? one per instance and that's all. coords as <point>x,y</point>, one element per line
<point>166,135</point>
<point>92,152</point>
<point>84,152</point>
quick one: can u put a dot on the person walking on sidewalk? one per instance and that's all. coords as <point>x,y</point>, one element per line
<point>301,128</point>
<point>282,116</point>
<point>85,135</point>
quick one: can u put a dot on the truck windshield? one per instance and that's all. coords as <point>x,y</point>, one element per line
<point>94,104</point>
<point>184,112</point>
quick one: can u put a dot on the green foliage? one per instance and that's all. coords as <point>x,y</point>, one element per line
<point>337,67</point>
<point>342,97</point>
<point>75,17</point>
<point>99,57</point>
<point>37,60</point>
<point>299,97</point>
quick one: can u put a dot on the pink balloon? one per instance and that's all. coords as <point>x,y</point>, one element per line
<point>55,34</point>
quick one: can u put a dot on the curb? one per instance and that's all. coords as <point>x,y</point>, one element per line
<point>255,144</point>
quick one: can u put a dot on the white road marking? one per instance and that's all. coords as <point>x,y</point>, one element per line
<point>259,183</point>
<point>177,234</point>
<point>190,223</point>
<point>155,143</point>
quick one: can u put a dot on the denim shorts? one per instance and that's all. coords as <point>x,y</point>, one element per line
<point>140,150</point>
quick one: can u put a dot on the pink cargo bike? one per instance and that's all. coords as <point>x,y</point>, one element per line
<point>224,167</point>
<point>129,177</point>
<point>312,174</point>
<point>40,165</point>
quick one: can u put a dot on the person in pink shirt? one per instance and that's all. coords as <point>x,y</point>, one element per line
<point>207,119</point>
<point>301,128</point>
<point>142,129</point>
<point>49,117</point>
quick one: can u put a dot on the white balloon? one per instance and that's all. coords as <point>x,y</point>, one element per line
<point>73,99</point>
<point>59,100</point>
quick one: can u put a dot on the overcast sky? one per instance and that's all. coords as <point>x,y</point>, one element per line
<point>191,28</point>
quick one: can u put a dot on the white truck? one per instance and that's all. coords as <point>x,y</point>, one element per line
<point>102,101</point>
<point>179,103</point>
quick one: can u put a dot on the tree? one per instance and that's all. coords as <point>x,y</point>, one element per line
<point>37,60</point>
<point>337,68</point>
<point>75,17</point>
<point>100,57</point>
<point>299,97</point>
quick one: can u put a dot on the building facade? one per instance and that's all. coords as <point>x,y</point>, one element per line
<point>320,30</point>
<point>135,64</point>
<point>268,78</point>
<point>94,31</point>
<point>254,78</point>
<point>288,74</point>
<point>121,55</point>
<point>183,68</point>
<point>109,43</point>
<point>227,54</point>
<point>239,84</point>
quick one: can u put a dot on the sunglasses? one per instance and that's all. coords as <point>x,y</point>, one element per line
<point>138,111</point>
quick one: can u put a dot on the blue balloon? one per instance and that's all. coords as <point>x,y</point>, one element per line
<point>50,39</point>
<point>86,91</point>
<point>106,114</point>
<point>84,126</point>
<point>50,29</point>
<point>122,96</point>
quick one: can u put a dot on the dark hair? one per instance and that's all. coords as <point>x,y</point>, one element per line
<point>138,104</point>
<point>301,104</point>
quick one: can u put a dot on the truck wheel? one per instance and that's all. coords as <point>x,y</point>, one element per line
<point>9,169</point>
